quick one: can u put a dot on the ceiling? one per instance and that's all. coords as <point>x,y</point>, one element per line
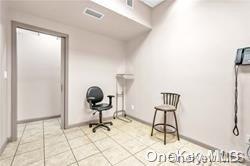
<point>152,3</point>
<point>71,13</point>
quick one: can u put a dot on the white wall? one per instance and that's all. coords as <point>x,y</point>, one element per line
<point>191,51</point>
<point>3,81</point>
<point>93,60</point>
<point>39,75</point>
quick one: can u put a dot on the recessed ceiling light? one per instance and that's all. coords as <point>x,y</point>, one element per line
<point>152,3</point>
<point>93,13</point>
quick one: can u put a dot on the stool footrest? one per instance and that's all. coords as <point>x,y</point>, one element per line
<point>167,125</point>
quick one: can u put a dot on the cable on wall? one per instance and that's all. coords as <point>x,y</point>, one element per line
<point>236,129</point>
<point>248,151</point>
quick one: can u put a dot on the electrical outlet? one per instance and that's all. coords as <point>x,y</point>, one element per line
<point>132,107</point>
<point>248,139</point>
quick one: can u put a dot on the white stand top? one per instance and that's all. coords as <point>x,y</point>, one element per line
<point>125,76</point>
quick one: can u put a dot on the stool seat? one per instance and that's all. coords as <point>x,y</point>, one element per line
<point>165,107</point>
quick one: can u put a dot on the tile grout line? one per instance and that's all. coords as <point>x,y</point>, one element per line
<point>25,129</point>
<point>147,146</point>
<point>134,155</point>
<point>39,148</point>
<point>133,137</point>
<point>69,145</point>
<point>44,163</point>
<point>114,141</point>
<point>127,151</point>
<point>108,136</point>
<point>89,155</point>
<point>96,146</point>
<point>121,147</point>
<point>18,145</point>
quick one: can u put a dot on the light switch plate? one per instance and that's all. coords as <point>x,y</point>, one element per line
<point>5,74</point>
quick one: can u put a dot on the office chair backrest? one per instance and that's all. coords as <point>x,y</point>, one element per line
<point>95,92</point>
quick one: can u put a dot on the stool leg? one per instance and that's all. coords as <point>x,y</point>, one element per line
<point>165,131</point>
<point>153,123</point>
<point>176,124</point>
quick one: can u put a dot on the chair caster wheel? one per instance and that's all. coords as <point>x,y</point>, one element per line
<point>90,126</point>
<point>108,129</point>
<point>113,117</point>
<point>125,115</point>
<point>111,124</point>
<point>94,131</point>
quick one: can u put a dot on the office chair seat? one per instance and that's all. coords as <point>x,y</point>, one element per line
<point>102,107</point>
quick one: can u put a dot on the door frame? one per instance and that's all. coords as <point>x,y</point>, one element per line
<point>14,73</point>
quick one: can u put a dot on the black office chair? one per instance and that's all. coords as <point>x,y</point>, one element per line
<point>94,96</point>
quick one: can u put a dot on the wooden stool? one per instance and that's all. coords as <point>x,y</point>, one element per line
<point>171,101</point>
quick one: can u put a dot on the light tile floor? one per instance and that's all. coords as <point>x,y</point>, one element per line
<point>44,143</point>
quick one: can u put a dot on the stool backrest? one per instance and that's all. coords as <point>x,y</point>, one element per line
<point>171,98</point>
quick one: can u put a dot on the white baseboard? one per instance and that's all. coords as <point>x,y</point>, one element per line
<point>182,136</point>
<point>38,119</point>
<point>204,145</point>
